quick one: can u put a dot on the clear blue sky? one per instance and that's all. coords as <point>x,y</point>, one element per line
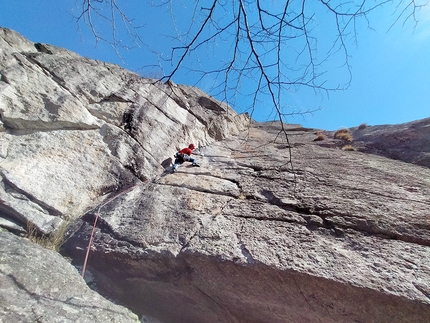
<point>391,70</point>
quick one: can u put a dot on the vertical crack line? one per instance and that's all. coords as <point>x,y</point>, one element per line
<point>244,250</point>
<point>305,298</point>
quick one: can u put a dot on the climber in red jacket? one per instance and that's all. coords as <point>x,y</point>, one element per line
<point>184,155</point>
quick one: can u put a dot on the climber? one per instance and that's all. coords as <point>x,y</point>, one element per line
<point>184,155</point>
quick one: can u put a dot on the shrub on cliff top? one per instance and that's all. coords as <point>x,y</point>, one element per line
<point>343,134</point>
<point>320,136</point>
<point>349,148</point>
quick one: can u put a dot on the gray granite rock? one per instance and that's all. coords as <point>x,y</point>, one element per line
<point>343,238</point>
<point>38,285</point>
<point>74,130</point>
<point>409,142</point>
<point>266,230</point>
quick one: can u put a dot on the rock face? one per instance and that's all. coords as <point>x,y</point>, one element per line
<point>38,285</point>
<point>267,230</point>
<point>75,129</point>
<point>343,238</point>
<point>409,142</point>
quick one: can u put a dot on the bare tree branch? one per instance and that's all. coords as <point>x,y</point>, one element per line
<point>92,11</point>
<point>268,49</point>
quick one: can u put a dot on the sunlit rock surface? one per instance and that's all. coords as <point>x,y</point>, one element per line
<point>38,285</point>
<point>266,230</point>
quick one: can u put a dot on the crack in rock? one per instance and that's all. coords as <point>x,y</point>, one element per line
<point>202,183</point>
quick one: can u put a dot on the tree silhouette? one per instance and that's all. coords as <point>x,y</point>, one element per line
<point>268,48</point>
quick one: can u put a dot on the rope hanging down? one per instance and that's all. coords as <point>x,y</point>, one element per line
<point>97,216</point>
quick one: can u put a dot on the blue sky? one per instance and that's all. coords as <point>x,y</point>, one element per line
<point>390,69</point>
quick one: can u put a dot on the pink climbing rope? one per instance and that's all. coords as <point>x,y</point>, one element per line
<point>95,222</point>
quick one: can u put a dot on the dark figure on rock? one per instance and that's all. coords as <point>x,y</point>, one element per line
<point>184,155</point>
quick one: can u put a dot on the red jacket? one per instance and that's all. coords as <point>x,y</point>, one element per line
<point>186,151</point>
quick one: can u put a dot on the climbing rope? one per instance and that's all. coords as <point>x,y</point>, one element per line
<point>98,214</point>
